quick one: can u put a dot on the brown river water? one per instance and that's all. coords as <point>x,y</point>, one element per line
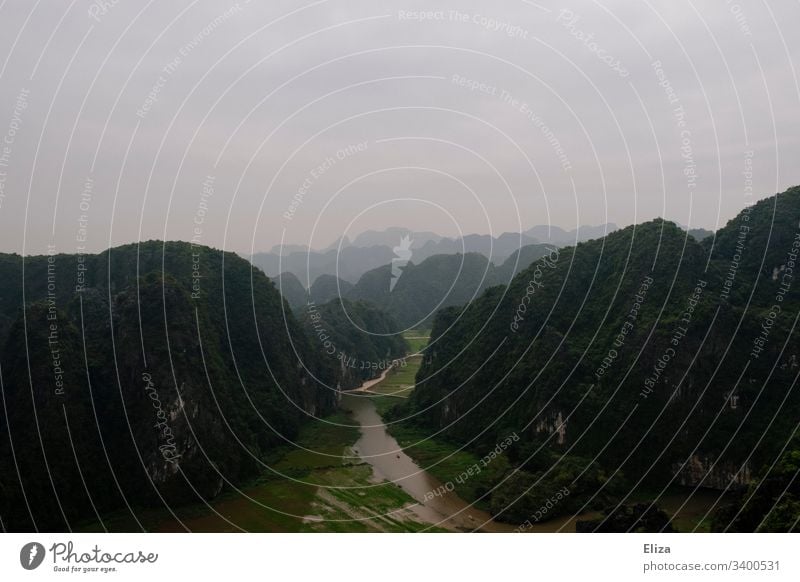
<point>389,463</point>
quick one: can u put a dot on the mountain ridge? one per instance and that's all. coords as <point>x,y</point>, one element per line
<point>572,373</point>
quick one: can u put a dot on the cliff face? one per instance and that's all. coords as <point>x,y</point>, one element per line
<point>668,359</point>
<point>167,375</point>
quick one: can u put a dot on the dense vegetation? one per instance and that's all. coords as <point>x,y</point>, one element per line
<point>166,378</point>
<point>637,359</point>
<point>770,503</point>
<point>329,287</point>
<point>355,337</point>
<point>292,290</point>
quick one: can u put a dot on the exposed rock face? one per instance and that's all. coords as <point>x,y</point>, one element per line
<point>704,471</point>
<point>553,423</point>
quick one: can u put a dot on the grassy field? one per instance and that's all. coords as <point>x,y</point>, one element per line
<point>400,380</point>
<point>416,339</point>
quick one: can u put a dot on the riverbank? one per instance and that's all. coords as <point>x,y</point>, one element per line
<point>319,485</point>
<point>434,503</point>
<point>350,472</point>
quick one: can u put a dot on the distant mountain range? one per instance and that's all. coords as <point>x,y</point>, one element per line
<point>419,290</point>
<point>349,260</point>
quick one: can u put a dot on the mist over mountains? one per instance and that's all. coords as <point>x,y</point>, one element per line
<point>349,260</point>
<point>412,293</point>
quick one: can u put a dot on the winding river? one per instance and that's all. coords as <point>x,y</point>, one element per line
<point>389,463</point>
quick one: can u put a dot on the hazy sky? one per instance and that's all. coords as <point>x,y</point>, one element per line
<point>242,123</point>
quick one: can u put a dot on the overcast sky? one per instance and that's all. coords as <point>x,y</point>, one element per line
<point>241,124</point>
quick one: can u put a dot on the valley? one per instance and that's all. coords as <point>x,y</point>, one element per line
<point>350,472</point>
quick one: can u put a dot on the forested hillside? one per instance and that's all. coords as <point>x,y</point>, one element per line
<point>359,340</point>
<point>150,374</point>
<point>439,281</point>
<point>643,358</point>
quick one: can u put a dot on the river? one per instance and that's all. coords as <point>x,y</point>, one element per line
<point>389,463</point>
